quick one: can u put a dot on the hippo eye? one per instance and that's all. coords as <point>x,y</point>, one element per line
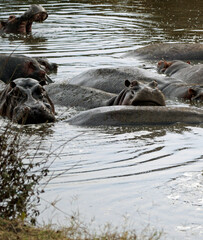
<point>38,93</point>
<point>18,94</point>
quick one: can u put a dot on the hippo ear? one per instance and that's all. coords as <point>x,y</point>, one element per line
<point>134,83</point>
<point>127,83</point>
<point>153,84</point>
<point>42,83</point>
<point>191,93</point>
<point>12,84</point>
<point>31,65</point>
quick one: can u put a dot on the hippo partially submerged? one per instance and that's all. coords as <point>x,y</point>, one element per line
<point>137,115</point>
<point>25,101</point>
<point>133,93</point>
<point>20,66</point>
<point>23,24</point>
<point>111,80</point>
<point>182,70</point>
<point>169,51</point>
<point>49,67</point>
<point>138,94</point>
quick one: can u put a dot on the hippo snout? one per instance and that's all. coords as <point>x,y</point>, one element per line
<point>35,13</point>
<point>35,114</point>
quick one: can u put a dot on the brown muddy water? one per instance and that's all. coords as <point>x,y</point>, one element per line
<point>149,175</point>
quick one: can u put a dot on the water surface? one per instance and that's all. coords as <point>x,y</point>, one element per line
<point>151,175</point>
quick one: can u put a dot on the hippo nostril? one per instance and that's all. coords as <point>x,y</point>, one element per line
<point>11,17</point>
<point>26,109</point>
<point>48,106</point>
<point>42,74</point>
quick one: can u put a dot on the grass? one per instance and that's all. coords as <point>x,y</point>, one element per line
<point>18,230</point>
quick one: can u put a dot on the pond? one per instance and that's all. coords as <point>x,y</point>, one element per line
<point>151,175</point>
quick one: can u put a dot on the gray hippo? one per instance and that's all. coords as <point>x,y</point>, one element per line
<point>25,101</point>
<point>111,80</point>
<point>169,51</point>
<point>137,115</point>
<point>139,94</point>
<point>177,89</point>
<point>20,66</point>
<point>105,111</point>
<point>23,24</point>
<point>133,93</point>
<point>49,67</point>
<point>182,70</point>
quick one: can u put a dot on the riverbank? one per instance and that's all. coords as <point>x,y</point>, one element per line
<point>17,229</point>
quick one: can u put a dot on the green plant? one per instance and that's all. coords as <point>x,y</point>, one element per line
<point>19,175</point>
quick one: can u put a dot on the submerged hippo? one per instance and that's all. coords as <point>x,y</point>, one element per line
<point>169,51</point>
<point>134,93</point>
<point>49,67</point>
<point>177,89</point>
<point>68,95</point>
<point>182,70</point>
<point>137,115</point>
<point>111,80</point>
<point>25,101</point>
<point>19,66</point>
<point>138,94</point>
<point>23,24</point>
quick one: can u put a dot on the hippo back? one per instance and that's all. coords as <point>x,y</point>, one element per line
<point>111,79</point>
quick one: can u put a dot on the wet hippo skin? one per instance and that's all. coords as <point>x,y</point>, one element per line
<point>182,70</point>
<point>23,24</point>
<point>139,94</point>
<point>111,80</point>
<point>137,115</point>
<point>133,93</point>
<point>169,51</point>
<point>20,66</point>
<point>25,101</point>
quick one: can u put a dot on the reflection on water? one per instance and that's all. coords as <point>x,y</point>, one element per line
<point>143,172</point>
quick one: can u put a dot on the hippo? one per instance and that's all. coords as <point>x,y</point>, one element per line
<point>169,51</point>
<point>49,67</point>
<point>20,66</point>
<point>25,101</point>
<point>68,95</point>
<point>184,71</point>
<point>137,115</point>
<point>23,24</point>
<point>177,89</point>
<point>139,94</point>
<point>111,80</point>
<point>134,93</point>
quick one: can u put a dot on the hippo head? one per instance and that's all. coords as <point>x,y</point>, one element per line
<point>34,70</point>
<point>35,13</point>
<point>138,94</point>
<point>195,94</point>
<point>25,101</point>
<point>172,67</point>
<point>48,66</point>
<point>163,65</point>
<point>23,24</point>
